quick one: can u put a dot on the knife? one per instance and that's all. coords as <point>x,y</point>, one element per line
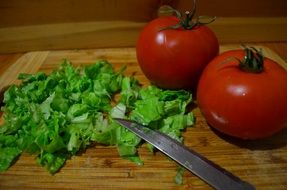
<point>205,169</point>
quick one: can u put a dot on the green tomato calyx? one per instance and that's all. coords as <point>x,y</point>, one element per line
<point>253,60</point>
<point>188,21</point>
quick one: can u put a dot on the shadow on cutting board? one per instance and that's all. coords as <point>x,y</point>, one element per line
<point>276,141</point>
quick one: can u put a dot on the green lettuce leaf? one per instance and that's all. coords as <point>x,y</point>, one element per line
<point>57,115</point>
<point>8,156</point>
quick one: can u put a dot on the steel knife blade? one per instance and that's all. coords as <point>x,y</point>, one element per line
<point>208,171</point>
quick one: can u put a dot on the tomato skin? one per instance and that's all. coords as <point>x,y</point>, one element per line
<point>242,104</point>
<point>175,58</point>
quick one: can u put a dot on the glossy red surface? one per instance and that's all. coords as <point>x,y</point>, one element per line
<point>242,104</point>
<point>175,58</point>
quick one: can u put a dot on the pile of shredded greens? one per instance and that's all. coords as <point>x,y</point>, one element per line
<point>57,115</point>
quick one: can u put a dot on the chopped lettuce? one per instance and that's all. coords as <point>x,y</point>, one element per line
<point>57,115</point>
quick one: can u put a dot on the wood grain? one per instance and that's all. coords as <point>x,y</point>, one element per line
<point>30,25</point>
<point>262,163</point>
<point>28,63</point>
<point>31,12</point>
<point>111,34</point>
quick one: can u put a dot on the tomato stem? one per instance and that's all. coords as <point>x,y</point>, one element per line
<point>253,60</point>
<point>187,18</point>
<point>188,22</point>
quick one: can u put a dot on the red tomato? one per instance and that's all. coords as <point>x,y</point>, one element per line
<point>175,58</point>
<point>240,103</point>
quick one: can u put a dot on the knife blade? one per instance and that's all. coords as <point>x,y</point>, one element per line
<point>208,171</point>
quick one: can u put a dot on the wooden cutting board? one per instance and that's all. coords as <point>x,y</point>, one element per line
<point>262,163</point>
